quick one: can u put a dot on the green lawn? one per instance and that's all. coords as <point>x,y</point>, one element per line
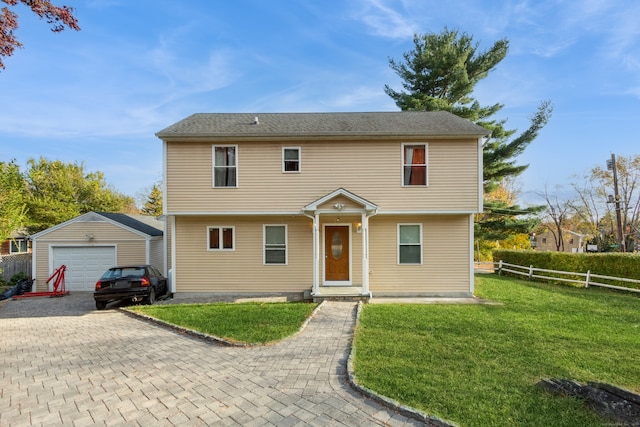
<point>477,365</point>
<point>251,323</point>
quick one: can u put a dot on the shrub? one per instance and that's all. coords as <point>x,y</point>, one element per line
<point>626,265</point>
<point>17,277</point>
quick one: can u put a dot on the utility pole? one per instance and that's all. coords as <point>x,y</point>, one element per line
<point>611,165</point>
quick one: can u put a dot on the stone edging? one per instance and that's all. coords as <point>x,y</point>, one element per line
<point>212,338</point>
<point>407,411</point>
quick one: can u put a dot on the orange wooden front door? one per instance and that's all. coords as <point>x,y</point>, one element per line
<point>336,253</point>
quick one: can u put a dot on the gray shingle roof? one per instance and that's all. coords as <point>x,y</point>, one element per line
<point>310,125</point>
<point>133,223</point>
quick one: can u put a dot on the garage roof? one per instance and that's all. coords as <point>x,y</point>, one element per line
<point>141,226</point>
<point>132,222</point>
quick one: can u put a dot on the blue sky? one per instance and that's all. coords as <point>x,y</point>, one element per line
<point>99,95</point>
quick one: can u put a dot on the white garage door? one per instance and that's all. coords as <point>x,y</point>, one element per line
<point>85,264</point>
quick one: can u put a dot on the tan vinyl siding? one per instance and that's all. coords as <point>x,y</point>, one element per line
<point>370,169</point>
<point>156,254</point>
<point>241,270</point>
<point>446,261</point>
<point>130,247</point>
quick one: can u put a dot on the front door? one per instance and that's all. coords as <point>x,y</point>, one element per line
<point>336,253</point>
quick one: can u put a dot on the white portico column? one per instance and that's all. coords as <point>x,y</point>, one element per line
<point>365,253</point>
<point>316,253</point>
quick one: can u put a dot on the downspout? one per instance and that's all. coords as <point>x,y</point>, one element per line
<point>147,245</point>
<point>34,266</point>
<point>314,219</point>
<point>172,270</point>
<point>471,266</point>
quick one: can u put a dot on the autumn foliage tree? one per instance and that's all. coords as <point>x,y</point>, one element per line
<point>59,17</point>
<point>58,191</point>
<point>13,209</point>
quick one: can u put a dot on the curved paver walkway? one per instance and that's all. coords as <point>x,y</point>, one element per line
<point>64,363</point>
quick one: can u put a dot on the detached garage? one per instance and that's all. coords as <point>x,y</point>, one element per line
<point>91,243</point>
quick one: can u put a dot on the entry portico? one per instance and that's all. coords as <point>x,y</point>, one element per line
<point>338,217</point>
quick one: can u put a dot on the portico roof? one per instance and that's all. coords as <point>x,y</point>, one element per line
<point>340,192</point>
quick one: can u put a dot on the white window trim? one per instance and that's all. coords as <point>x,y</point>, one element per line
<point>299,159</point>
<point>264,243</point>
<point>398,244</point>
<point>426,162</point>
<point>213,165</point>
<point>221,248</point>
<point>18,243</point>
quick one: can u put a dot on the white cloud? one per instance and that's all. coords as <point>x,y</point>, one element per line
<point>360,98</point>
<point>385,21</point>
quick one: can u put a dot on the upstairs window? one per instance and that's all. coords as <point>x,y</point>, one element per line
<point>225,166</point>
<point>291,159</point>
<point>220,238</point>
<point>275,244</point>
<point>414,164</point>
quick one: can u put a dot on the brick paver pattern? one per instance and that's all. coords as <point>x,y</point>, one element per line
<point>64,363</point>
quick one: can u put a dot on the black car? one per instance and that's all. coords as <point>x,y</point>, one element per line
<point>135,283</point>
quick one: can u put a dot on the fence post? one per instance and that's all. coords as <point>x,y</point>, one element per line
<point>586,282</point>
<point>530,271</point>
<point>500,267</point>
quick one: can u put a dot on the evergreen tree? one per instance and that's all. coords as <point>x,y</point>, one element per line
<point>440,73</point>
<point>153,204</point>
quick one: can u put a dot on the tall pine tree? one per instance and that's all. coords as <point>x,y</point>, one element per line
<point>440,73</point>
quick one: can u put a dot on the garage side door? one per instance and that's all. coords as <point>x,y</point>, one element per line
<point>85,264</point>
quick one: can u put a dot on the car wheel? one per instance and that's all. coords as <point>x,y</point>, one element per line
<point>101,305</point>
<point>151,298</point>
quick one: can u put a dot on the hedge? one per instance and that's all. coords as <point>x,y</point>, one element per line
<point>626,265</point>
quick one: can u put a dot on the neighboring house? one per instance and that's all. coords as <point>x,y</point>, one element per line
<point>322,203</point>
<point>17,244</point>
<point>546,241</point>
<point>93,242</point>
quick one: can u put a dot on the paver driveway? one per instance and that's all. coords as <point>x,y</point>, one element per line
<point>64,363</point>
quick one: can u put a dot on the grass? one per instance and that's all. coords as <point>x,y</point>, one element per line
<point>477,365</point>
<point>251,323</point>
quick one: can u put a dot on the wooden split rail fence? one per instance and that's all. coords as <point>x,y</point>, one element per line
<point>586,279</point>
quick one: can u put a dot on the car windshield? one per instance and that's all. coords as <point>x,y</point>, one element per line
<point>116,273</point>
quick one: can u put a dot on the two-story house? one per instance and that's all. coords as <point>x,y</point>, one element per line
<point>364,204</point>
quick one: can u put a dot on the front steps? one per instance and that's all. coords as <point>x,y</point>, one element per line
<point>340,293</point>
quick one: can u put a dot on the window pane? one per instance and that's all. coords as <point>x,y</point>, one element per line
<point>225,177</point>
<point>227,238</point>
<point>410,254</point>
<point>415,175</point>
<point>290,166</point>
<point>409,234</point>
<point>225,156</point>
<point>214,238</point>
<point>275,256</point>
<point>291,154</point>
<point>274,235</point>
